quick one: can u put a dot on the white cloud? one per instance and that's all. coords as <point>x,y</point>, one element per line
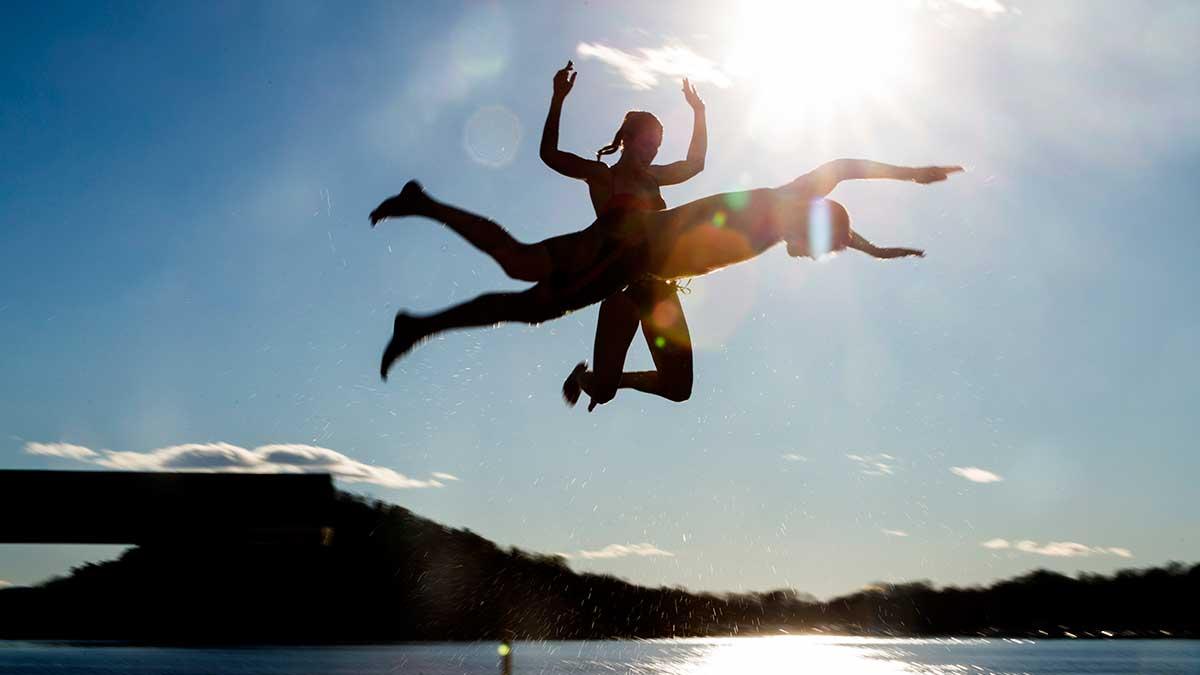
<point>895,533</point>
<point>643,68</point>
<point>975,474</point>
<point>792,457</point>
<point>5,584</point>
<point>990,8</point>
<point>1057,549</point>
<point>65,450</point>
<point>624,550</point>
<point>228,458</point>
<point>444,476</point>
<point>874,465</point>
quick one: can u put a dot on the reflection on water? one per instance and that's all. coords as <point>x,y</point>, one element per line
<point>801,654</point>
<point>793,655</point>
<point>766,656</point>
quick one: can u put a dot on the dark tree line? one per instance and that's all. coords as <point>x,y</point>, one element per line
<point>391,575</point>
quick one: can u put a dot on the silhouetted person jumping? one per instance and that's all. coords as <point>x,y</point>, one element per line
<point>575,270</point>
<point>632,184</point>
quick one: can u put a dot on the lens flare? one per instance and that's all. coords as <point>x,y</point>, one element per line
<point>481,44</point>
<point>820,229</point>
<point>491,136</point>
<point>736,201</point>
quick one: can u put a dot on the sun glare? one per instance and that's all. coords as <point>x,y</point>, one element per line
<point>792,654</point>
<point>809,60</point>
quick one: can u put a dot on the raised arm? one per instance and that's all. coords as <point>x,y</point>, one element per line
<point>859,242</point>
<point>678,172</point>
<point>566,163</point>
<point>821,180</point>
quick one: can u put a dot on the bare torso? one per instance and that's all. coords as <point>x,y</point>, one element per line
<point>626,187</point>
<point>715,232</point>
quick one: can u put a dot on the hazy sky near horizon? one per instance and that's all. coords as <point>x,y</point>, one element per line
<point>189,279</point>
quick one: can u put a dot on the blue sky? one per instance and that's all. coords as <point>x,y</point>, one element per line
<point>187,262</point>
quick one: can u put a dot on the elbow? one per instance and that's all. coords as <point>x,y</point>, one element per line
<point>549,155</point>
<point>835,171</point>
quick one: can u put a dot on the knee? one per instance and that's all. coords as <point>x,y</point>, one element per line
<point>601,389</point>
<point>602,396</point>
<point>679,391</point>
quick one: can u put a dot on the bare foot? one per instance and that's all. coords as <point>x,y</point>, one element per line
<point>572,386</point>
<point>406,334</point>
<point>407,203</point>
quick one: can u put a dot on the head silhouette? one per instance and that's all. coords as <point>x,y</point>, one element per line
<point>638,138</point>
<point>826,229</point>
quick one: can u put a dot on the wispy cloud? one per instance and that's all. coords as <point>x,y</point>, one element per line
<point>1056,549</point>
<point>895,533</point>
<point>792,457</point>
<point>990,8</point>
<point>228,458</point>
<point>444,476</point>
<point>874,465</point>
<point>643,67</point>
<point>975,474</point>
<point>64,450</point>
<point>642,550</point>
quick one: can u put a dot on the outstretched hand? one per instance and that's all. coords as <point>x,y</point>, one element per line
<point>564,80</point>
<point>897,252</point>
<point>933,174</point>
<point>689,94</point>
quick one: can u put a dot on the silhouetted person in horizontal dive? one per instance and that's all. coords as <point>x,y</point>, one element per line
<point>632,184</point>
<point>575,270</point>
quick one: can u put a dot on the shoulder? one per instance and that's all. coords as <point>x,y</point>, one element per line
<point>599,174</point>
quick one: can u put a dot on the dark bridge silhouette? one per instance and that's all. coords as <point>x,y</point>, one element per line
<point>97,507</point>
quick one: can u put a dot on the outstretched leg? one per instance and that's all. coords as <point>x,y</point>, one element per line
<point>545,301</point>
<point>525,262</point>
<point>535,305</point>
<point>656,306</point>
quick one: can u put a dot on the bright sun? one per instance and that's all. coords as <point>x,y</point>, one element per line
<point>809,60</point>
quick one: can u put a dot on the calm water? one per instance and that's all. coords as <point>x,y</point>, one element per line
<point>740,656</point>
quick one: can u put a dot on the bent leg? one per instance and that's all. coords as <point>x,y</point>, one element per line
<point>525,262</point>
<point>615,328</point>
<point>670,342</point>
<point>656,306</point>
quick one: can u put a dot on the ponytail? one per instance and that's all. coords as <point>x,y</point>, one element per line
<point>617,142</point>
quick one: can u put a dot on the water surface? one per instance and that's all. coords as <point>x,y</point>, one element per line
<point>791,655</point>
